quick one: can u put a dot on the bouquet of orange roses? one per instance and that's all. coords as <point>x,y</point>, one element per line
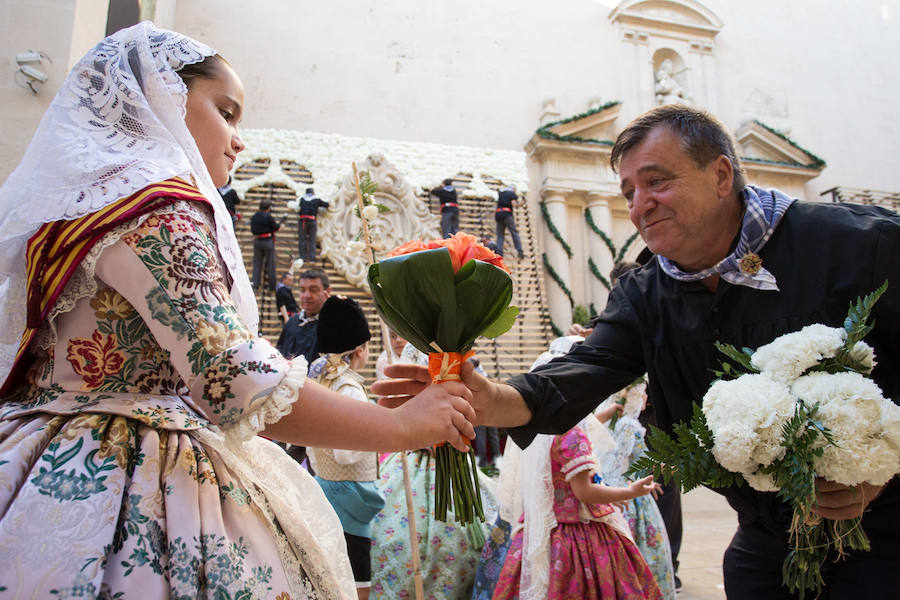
<point>440,296</point>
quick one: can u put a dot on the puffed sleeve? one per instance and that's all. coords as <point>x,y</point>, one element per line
<point>572,451</point>
<point>169,270</point>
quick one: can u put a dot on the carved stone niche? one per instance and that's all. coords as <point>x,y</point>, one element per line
<point>652,31</point>
<point>409,218</point>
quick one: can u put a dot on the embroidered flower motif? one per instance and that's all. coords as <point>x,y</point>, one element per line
<point>218,387</point>
<point>109,305</point>
<point>116,442</point>
<point>750,263</point>
<point>217,337</point>
<point>161,380</point>
<point>95,359</point>
<point>195,269</point>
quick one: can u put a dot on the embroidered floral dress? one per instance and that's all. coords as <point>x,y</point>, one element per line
<point>588,557</point>
<point>129,465</point>
<point>643,516</point>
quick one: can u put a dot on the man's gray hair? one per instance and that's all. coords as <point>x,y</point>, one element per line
<point>702,135</point>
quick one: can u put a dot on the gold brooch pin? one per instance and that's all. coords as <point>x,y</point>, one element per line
<point>750,263</point>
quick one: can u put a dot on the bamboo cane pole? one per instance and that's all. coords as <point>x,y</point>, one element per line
<point>407,485</point>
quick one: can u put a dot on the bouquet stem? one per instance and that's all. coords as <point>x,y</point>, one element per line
<point>456,475</point>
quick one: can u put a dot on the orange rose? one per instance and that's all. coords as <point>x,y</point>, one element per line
<point>408,248</point>
<point>463,247</point>
<point>95,359</point>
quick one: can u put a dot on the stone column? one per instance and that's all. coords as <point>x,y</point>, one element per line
<point>598,205</point>
<point>558,303</point>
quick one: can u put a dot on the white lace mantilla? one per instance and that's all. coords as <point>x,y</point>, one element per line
<point>115,126</point>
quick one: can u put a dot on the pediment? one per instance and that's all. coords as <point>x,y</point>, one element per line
<point>759,143</point>
<point>595,125</point>
<point>682,15</point>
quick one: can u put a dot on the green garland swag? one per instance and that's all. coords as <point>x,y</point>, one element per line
<point>556,330</point>
<point>546,214</point>
<point>589,218</point>
<point>555,277</point>
<point>599,275</point>
<point>626,246</point>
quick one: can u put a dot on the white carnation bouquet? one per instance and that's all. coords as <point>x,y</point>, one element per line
<point>795,409</point>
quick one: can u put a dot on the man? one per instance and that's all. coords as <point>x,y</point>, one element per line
<point>685,191</point>
<point>284,298</point>
<point>507,198</point>
<point>263,227</point>
<point>449,207</point>
<point>309,224</point>
<point>298,337</point>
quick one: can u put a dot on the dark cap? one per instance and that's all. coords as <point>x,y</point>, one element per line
<point>342,326</point>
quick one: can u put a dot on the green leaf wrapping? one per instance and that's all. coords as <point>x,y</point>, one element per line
<point>420,297</point>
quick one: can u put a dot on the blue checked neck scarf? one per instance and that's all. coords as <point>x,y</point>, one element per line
<point>763,211</point>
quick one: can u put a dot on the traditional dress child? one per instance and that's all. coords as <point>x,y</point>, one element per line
<point>644,519</point>
<point>448,552</point>
<point>347,477</point>
<point>134,385</point>
<point>572,543</point>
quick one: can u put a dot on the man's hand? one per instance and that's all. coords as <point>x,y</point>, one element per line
<point>577,329</point>
<point>495,404</point>
<point>837,501</point>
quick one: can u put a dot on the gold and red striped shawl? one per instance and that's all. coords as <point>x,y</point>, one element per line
<point>55,250</point>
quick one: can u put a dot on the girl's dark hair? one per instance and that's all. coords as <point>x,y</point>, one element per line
<point>208,68</point>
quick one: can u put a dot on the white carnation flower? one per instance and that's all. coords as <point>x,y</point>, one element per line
<point>854,409</point>
<point>863,354</point>
<point>789,355</point>
<point>761,482</point>
<point>890,421</point>
<point>746,416</point>
<point>355,248</point>
<point>370,212</point>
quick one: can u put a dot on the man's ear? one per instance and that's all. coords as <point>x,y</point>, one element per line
<point>724,174</point>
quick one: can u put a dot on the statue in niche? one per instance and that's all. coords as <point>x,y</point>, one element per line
<point>668,91</point>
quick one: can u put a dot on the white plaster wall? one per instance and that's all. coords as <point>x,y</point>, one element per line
<point>460,72</point>
<point>474,73</point>
<point>64,30</point>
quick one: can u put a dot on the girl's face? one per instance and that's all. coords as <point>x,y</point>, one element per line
<point>214,109</point>
<point>397,343</point>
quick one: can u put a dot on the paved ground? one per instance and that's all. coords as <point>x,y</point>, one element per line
<point>709,524</point>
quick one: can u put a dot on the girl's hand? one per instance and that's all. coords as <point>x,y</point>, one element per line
<point>439,413</point>
<point>642,487</point>
<point>607,413</point>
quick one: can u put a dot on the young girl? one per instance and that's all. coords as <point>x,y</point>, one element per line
<point>644,519</point>
<point>587,556</point>
<point>347,476</point>
<point>574,543</point>
<point>134,384</point>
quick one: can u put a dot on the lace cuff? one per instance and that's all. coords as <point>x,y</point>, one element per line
<point>271,408</point>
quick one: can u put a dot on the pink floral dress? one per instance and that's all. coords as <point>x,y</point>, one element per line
<point>129,462</point>
<point>588,557</point>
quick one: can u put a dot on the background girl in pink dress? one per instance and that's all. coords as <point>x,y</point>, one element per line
<point>588,552</point>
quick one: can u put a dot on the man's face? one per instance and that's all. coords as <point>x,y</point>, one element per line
<point>677,207</point>
<point>312,295</point>
<point>288,280</point>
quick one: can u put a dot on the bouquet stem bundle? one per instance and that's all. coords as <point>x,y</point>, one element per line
<point>460,488</point>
